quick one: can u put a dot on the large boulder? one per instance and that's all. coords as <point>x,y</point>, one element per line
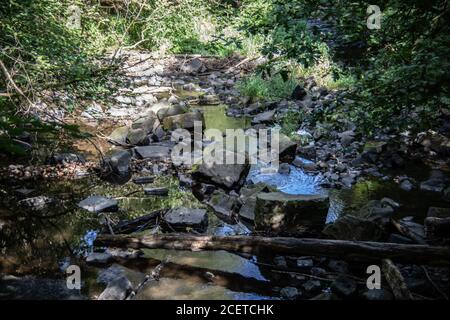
<point>138,137</point>
<point>118,289</point>
<point>117,164</point>
<point>194,66</point>
<point>154,152</point>
<point>437,182</point>
<point>40,204</point>
<point>119,135</point>
<point>66,158</point>
<point>225,175</point>
<point>287,148</point>
<point>248,200</point>
<point>279,212</point>
<point>223,204</point>
<point>182,219</point>
<point>349,227</point>
<point>182,121</point>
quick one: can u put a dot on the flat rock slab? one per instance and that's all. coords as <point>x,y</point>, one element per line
<point>153,152</point>
<point>180,219</point>
<point>164,192</point>
<point>117,289</point>
<point>264,117</point>
<point>281,212</point>
<point>97,204</point>
<point>182,121</point>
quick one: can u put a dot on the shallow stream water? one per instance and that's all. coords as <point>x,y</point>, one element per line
<point>36,245</point>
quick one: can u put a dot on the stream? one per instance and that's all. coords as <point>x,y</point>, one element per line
<point>35,245</point>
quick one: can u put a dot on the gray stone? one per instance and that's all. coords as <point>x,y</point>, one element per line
<point>280,261</point>
<point>125,254</point>
<point>436,182</point>
<point>312,286</point>
<point>264,117</point>
<point>278,211</point>
<point>338,266</point>
<point>284,168</point>
<point>289,293</point>
<point>99,258</point>
<point>66,158</point>
<point>182,121</point>
<point>344,286</point>
<point>436,212</point>
<point>124,100</point>
<point>153,152</point>
<point>181,219</point>
<point>118,163</point>
<point>119,135</point>
<point>406,185</point>
<point>116,271</point>
<point>194,66</point>
<point>307,152</point>
<point>222,204</point>
<point>145,123</point>
<point>347,137</point>
<point>38,204</point>
<point>97,204</point>
<point>305,263</point>
<point>304,164</point>
<point>138,137</point>
<point>117,289</point>
<point>226,175</point>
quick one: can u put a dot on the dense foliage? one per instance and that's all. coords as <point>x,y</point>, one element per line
<point>401,68</point>
<point>397,74</point>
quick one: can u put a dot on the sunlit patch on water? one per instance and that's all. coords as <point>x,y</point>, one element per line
<point>213,260</point>
<point>296,182</point>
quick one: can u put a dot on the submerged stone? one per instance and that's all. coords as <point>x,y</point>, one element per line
<point>97,204</point>
<point>119,136</point>
<point>99,258</point>
<point>226,175</point>
<point>182,121</point>
<point>350,227</point>
<point>117,289</point>
<point>181,219</point>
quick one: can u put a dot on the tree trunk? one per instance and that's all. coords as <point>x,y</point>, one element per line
<point>342,249</point>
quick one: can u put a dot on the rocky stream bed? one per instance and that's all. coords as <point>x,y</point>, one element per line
<point>332,184</point>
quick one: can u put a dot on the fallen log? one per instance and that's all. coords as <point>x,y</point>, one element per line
<point>342,249</point>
